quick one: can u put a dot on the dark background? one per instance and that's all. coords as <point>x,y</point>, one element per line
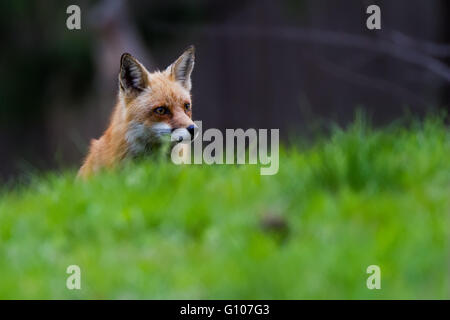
<point>289,64</point>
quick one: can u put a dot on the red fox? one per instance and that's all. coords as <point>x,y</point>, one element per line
<point>149,106</point>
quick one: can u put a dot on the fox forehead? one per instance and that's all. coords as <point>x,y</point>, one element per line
<point>165,91</point>
<point>161,91</point>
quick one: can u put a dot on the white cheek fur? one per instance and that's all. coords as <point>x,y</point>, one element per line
<point>161,128</point>
<point>140,137</point>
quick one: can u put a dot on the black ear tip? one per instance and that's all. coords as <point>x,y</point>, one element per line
<point>125,56</point>
<point>191,48</point>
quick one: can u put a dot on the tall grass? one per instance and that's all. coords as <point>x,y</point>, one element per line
<point>155,230</point>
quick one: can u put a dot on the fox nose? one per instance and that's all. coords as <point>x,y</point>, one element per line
<point>191,130</point>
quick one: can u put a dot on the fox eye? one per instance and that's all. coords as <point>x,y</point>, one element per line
<point>161,110</point>
<point>187,106</point>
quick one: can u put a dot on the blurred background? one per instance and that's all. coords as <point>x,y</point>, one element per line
<point>288,64</point>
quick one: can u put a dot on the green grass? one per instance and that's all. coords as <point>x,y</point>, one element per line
<point>155,230</point>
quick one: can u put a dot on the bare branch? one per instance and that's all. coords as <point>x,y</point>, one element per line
<point>327,38</point>
<point>430,48</point>
<point>370,82</point>
<point>341,39</point>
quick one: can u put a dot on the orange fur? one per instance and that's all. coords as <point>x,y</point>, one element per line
<point>135,125</point>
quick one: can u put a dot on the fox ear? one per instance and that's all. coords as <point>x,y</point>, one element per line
<point>181,69</point>
<point>133,75</point>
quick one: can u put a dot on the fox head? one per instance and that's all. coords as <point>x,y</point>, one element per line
<point>156,104</point>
